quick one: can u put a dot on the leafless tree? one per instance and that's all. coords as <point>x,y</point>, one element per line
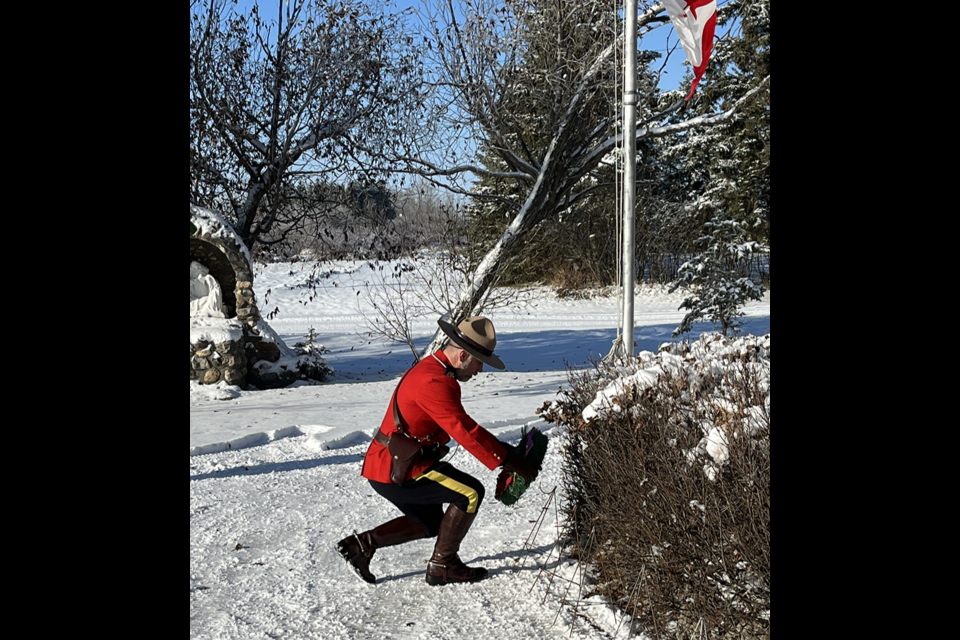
<point>277,101</point>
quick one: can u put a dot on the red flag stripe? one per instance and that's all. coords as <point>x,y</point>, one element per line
<point>695,22</point>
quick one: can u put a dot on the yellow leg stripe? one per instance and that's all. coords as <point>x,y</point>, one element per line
<point>452,484</point>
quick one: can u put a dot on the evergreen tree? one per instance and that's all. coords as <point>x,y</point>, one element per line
<point>718,277</point>
<point>725,170</point>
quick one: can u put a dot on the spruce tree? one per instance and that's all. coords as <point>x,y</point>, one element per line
<point>718,278</point>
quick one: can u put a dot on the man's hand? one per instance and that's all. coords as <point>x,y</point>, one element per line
<point>517,462</point>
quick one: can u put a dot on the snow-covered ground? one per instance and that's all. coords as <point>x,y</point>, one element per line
<point>275,478</point>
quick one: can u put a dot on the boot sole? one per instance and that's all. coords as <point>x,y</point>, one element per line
<point>436,581</point>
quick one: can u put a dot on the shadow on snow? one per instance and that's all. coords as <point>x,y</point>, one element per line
<point>527,352</point>
<point>280,467</point>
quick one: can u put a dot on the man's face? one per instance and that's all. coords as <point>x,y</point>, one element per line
<point>468,368</point>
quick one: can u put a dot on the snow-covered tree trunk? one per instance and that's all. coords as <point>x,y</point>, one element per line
<point>487,269</point>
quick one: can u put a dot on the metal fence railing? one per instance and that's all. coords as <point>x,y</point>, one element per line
<point>664,269</point>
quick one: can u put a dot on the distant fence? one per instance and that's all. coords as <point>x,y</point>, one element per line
<point>664,269</point>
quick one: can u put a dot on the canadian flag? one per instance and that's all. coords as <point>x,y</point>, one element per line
<point>695,22</point>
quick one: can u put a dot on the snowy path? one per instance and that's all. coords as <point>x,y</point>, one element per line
<point>286,504</point>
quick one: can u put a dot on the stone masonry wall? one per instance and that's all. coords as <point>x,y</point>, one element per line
<point>210,363</point>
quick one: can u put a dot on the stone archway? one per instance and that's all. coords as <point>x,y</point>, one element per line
<point>215,245</point>
<point>218,346</point>
<point>238,348</point>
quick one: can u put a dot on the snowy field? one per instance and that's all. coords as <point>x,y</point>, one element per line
<point>275,478</point>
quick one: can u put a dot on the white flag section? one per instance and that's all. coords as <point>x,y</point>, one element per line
<point>695,22</point>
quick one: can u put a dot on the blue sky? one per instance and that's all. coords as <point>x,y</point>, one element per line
<point>660,39</point>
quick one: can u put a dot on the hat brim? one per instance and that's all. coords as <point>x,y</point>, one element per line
<point>455,337</point>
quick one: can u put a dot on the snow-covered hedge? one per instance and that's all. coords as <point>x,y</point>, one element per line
<point>667,471</point>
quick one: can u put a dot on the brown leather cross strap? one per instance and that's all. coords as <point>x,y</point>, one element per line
<point>383,438</point>
<point>397,418</point>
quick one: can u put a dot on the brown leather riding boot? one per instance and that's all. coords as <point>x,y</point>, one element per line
<point>358,549</point>
<point>445,565</point>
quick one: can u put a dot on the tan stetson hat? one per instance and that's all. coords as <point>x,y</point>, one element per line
<point>477,336</point>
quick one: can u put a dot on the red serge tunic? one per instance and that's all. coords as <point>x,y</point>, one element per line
<point>429,402</point>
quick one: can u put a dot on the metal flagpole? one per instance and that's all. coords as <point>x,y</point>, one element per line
<point>629,170</point>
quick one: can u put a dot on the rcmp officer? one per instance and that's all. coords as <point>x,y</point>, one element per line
<point>426,407</point>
